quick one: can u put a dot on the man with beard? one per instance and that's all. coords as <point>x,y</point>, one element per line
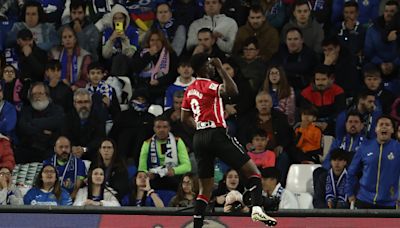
<point>87,34</point>
<point>267,36</point>
<point>326,96</point>
<point>71,170</point>
<point>368,112</point>
<point>349,142</point>
<point>83,126</point>
<point>38,126</point>
<point>378,160</point>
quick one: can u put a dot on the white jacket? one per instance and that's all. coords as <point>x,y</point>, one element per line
<point>288,199</point>
<point>219,23</point>
<point>108,201</point>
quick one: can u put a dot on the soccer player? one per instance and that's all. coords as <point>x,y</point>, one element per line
<point>202,109</point>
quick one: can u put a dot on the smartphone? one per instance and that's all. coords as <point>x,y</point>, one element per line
<point>119,26</point>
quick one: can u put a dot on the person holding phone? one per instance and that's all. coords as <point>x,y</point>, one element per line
<point>120,41</point>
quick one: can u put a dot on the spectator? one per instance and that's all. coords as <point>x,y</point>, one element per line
<point>172,29</point>
<point>155,66</point>
<point>207,44</point>
<point>9,10</point>
<point>308,138</point>
<point>275,123</point>
<point>87,34</point>
<point>142,194</point>
<point>32,18</point>
<point>96,193</point>
<point>273,188</point>
<point>297,59</point>
<point>71,168</point>
<point>25,56</point>
<point>378,162</point>
<point>60,93</point>
<point>261,156</point>
<point>83,126</point>
<point>390,77</point>
<point>365,106</point>
<point>186,11</point>
<point>9,193</point>
<point>326,96</point>
<point>13,87</point>
<point>115,170</point>
<point>74,59</point>
<point>224,28</point>
<point>336,181</point>
<point>120,41</point>
<point>267,36</point>
<point>230,181</point>
<point>39,126</point>
<point>395,112</point>
<point>47,189</point>
<point>133,126</point>
<point>238,105</point>
<point>275,12</point>
<point>381,41</point>
<point>8,120</point>
<point>177,127</point>
<point>368,11</point>
<point>187,192</point>
<point>342,64</point>
<point>310,28</point>
<point>350,32</point>
<point>373,82</point>
<point>164,157</point>
<point>250,63</point>
<point>103,94</point>
<point>184,79</point>
<point>349,143</point>
<point>283,98</point>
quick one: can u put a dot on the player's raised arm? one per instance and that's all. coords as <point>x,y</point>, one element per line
<point>228,88</point>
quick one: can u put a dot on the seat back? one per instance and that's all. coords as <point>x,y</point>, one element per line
<point>300,178</point>
<point>305,200</point>
<point>326,145</point>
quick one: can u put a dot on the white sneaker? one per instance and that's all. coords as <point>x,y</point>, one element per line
<point>259,215</point>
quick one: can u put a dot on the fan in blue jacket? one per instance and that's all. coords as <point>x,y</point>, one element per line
<point>378,160</point>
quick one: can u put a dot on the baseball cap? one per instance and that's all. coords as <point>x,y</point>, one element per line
<point>24,34</point>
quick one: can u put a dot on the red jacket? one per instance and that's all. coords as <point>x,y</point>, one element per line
<point>6,155</point>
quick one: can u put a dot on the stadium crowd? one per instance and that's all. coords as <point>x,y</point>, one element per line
<point>79,80</point>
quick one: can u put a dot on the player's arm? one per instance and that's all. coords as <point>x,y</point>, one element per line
<point>187,118</point>
<point>228,88</point>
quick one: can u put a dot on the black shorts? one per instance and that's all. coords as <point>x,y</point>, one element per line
<point>215,142</point>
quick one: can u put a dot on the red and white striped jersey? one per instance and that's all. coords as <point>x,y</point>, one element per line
<point>203,99</point>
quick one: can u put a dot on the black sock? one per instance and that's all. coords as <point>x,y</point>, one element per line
<point>199,210</point>
<point>256,192</point>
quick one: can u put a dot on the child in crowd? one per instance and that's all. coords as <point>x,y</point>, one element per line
<point>336,180</point>
<point>308,138</point>
<point>102,93</point>
<point>184,80</point>
<point>60,92</point>
<point>262,157</point>
<point>187,192</point>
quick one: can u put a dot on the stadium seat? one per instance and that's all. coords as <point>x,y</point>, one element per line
<point>300,178</point>
<point>305,200</point>
<point>326,144</point>
<point>155,109</point>
<point>126,92</point>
